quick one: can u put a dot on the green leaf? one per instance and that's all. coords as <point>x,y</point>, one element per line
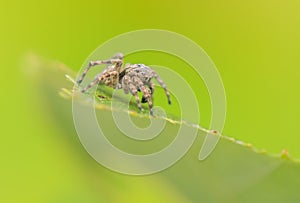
<point>235,172</point>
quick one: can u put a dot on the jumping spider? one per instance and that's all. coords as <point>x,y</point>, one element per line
<point>133,78</point>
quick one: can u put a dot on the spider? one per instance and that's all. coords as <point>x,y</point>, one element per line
<point>132,78</point>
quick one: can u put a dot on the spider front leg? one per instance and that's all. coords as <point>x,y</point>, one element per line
<point>110,79</point>
<point>94,82</point>
<point>95,63</point>
<point>101,78</point>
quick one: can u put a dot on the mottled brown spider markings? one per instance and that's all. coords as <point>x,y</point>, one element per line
<point>133,78</point>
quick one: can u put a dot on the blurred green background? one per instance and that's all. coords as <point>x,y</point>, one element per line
<point>254,44</point>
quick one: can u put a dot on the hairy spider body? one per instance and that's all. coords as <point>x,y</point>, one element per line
<point>133,78</point>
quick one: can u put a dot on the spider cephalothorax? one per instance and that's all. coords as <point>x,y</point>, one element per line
<point>133,78</point>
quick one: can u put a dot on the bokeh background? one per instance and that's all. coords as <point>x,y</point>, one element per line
<point>254,44</point>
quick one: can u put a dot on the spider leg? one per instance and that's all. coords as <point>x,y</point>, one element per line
<point>133,90</point>
<point>110,79</point>
<point>161,82</point>
<point>125,84</point>
<point>95,63</point>
<point>118,56</point>
<point>151,87</point>
<point>146,93</point>
<point>99,79</point>
<point>94,82</point>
